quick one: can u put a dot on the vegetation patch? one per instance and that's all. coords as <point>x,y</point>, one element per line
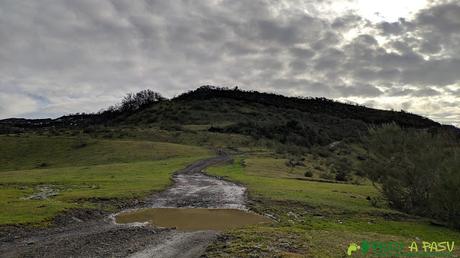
<point>417,171</point>
<point>313,219</point>
<point>37,195</point>
<point>30,151</point>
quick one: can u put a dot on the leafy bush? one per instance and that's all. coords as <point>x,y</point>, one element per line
<point>42,165</point>
<point>326,175</point>
<point>342,175</point>
<point>293,162</point>
<point>171,127</point>
<point>80,142</point>
<point>342,167</point>
<point>308,173</point>
<point>375,201</point>
<point>417,171</point>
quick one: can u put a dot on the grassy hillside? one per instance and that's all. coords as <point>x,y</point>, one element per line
<point>80,187</point>
<point>294,121</point>
<point>314,218</point>
<point>278,188</point>
<point>302,122</point>
<point>323,106</point>
<point>31,151</point>
<point>43,176</point>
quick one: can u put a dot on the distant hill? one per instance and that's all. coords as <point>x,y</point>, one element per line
<point>293,120</point>
<point>312,105</point>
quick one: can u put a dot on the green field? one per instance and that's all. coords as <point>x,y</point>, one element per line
<point>30,151</point>
<point>315,218</point>
<point>81,176</point>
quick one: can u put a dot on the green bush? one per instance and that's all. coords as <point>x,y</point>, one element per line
<point>343,169</point>
<point>308,173</point>
<point>417,171</point>
<point>342,175</point>
<point>326,175</point>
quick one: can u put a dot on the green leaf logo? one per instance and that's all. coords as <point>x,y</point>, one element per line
<point>365,246</point>
<point>352,248</point>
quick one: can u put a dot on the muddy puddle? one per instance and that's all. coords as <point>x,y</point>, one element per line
<point>192,219</point>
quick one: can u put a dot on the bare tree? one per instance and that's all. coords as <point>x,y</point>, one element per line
<point>135,101</point>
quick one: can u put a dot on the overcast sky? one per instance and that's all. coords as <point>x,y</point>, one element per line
<point>65,56</point>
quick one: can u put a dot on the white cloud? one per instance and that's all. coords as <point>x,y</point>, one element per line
<point>16,104</point>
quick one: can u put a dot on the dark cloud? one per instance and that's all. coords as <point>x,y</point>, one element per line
<point>330,59</point>
<point>73,56</point>
<point>395,28</point>
<point>298,66</point>
<point>347,22</point>
<point>304,53</point>
<point>427,92</point>
<point>443,18</point>
<point>364,90</point>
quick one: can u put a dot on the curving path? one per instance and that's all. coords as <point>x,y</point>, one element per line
<point>103,238</point>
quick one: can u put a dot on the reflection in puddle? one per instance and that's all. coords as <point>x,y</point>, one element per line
<point>192,218</point>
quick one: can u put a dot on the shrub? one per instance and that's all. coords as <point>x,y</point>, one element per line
<point>342,175</point>
<point>417,171</point>
<point>322,152</point>
<point>42,165</point>
<point>108,135</point>
<point>319,168</point>
<point>81,142</point>
<point>293,162</point>
<point>308,173</point>
<point>342,167</point>
<point>328,176</point>
<point>171,127</point>
<point>375,201</point>
<point>89,129</point>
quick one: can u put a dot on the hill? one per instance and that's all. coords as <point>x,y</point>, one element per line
<point>328,173</point>
<point>289,120</point>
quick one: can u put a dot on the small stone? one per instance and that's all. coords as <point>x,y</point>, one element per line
<point>77,219</point>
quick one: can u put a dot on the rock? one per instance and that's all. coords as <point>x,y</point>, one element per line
<point>77,219</point>
<point>292,214</point>
<point>333,145</point>
<point>270,216</point>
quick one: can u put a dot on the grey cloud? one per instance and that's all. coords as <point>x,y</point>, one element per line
<point>399,92</point>
<point>298,66</point>
<point>366,40</point>
<point>347,22</point>
<point>238,49</point>
<point>445,18</point>
<point>363,90</point>
<point>395,28</point>
<point>304,53</point>
<point>64,55</point>
<point>427,92</point>
<point>272,31</point>
<point>328,39</point>
<point>434,72</point>
<point>330,58</point>
<point>376,74</point>
<point>430,47</point>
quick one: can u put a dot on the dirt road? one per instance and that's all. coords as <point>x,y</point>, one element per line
<point>101,237</point>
